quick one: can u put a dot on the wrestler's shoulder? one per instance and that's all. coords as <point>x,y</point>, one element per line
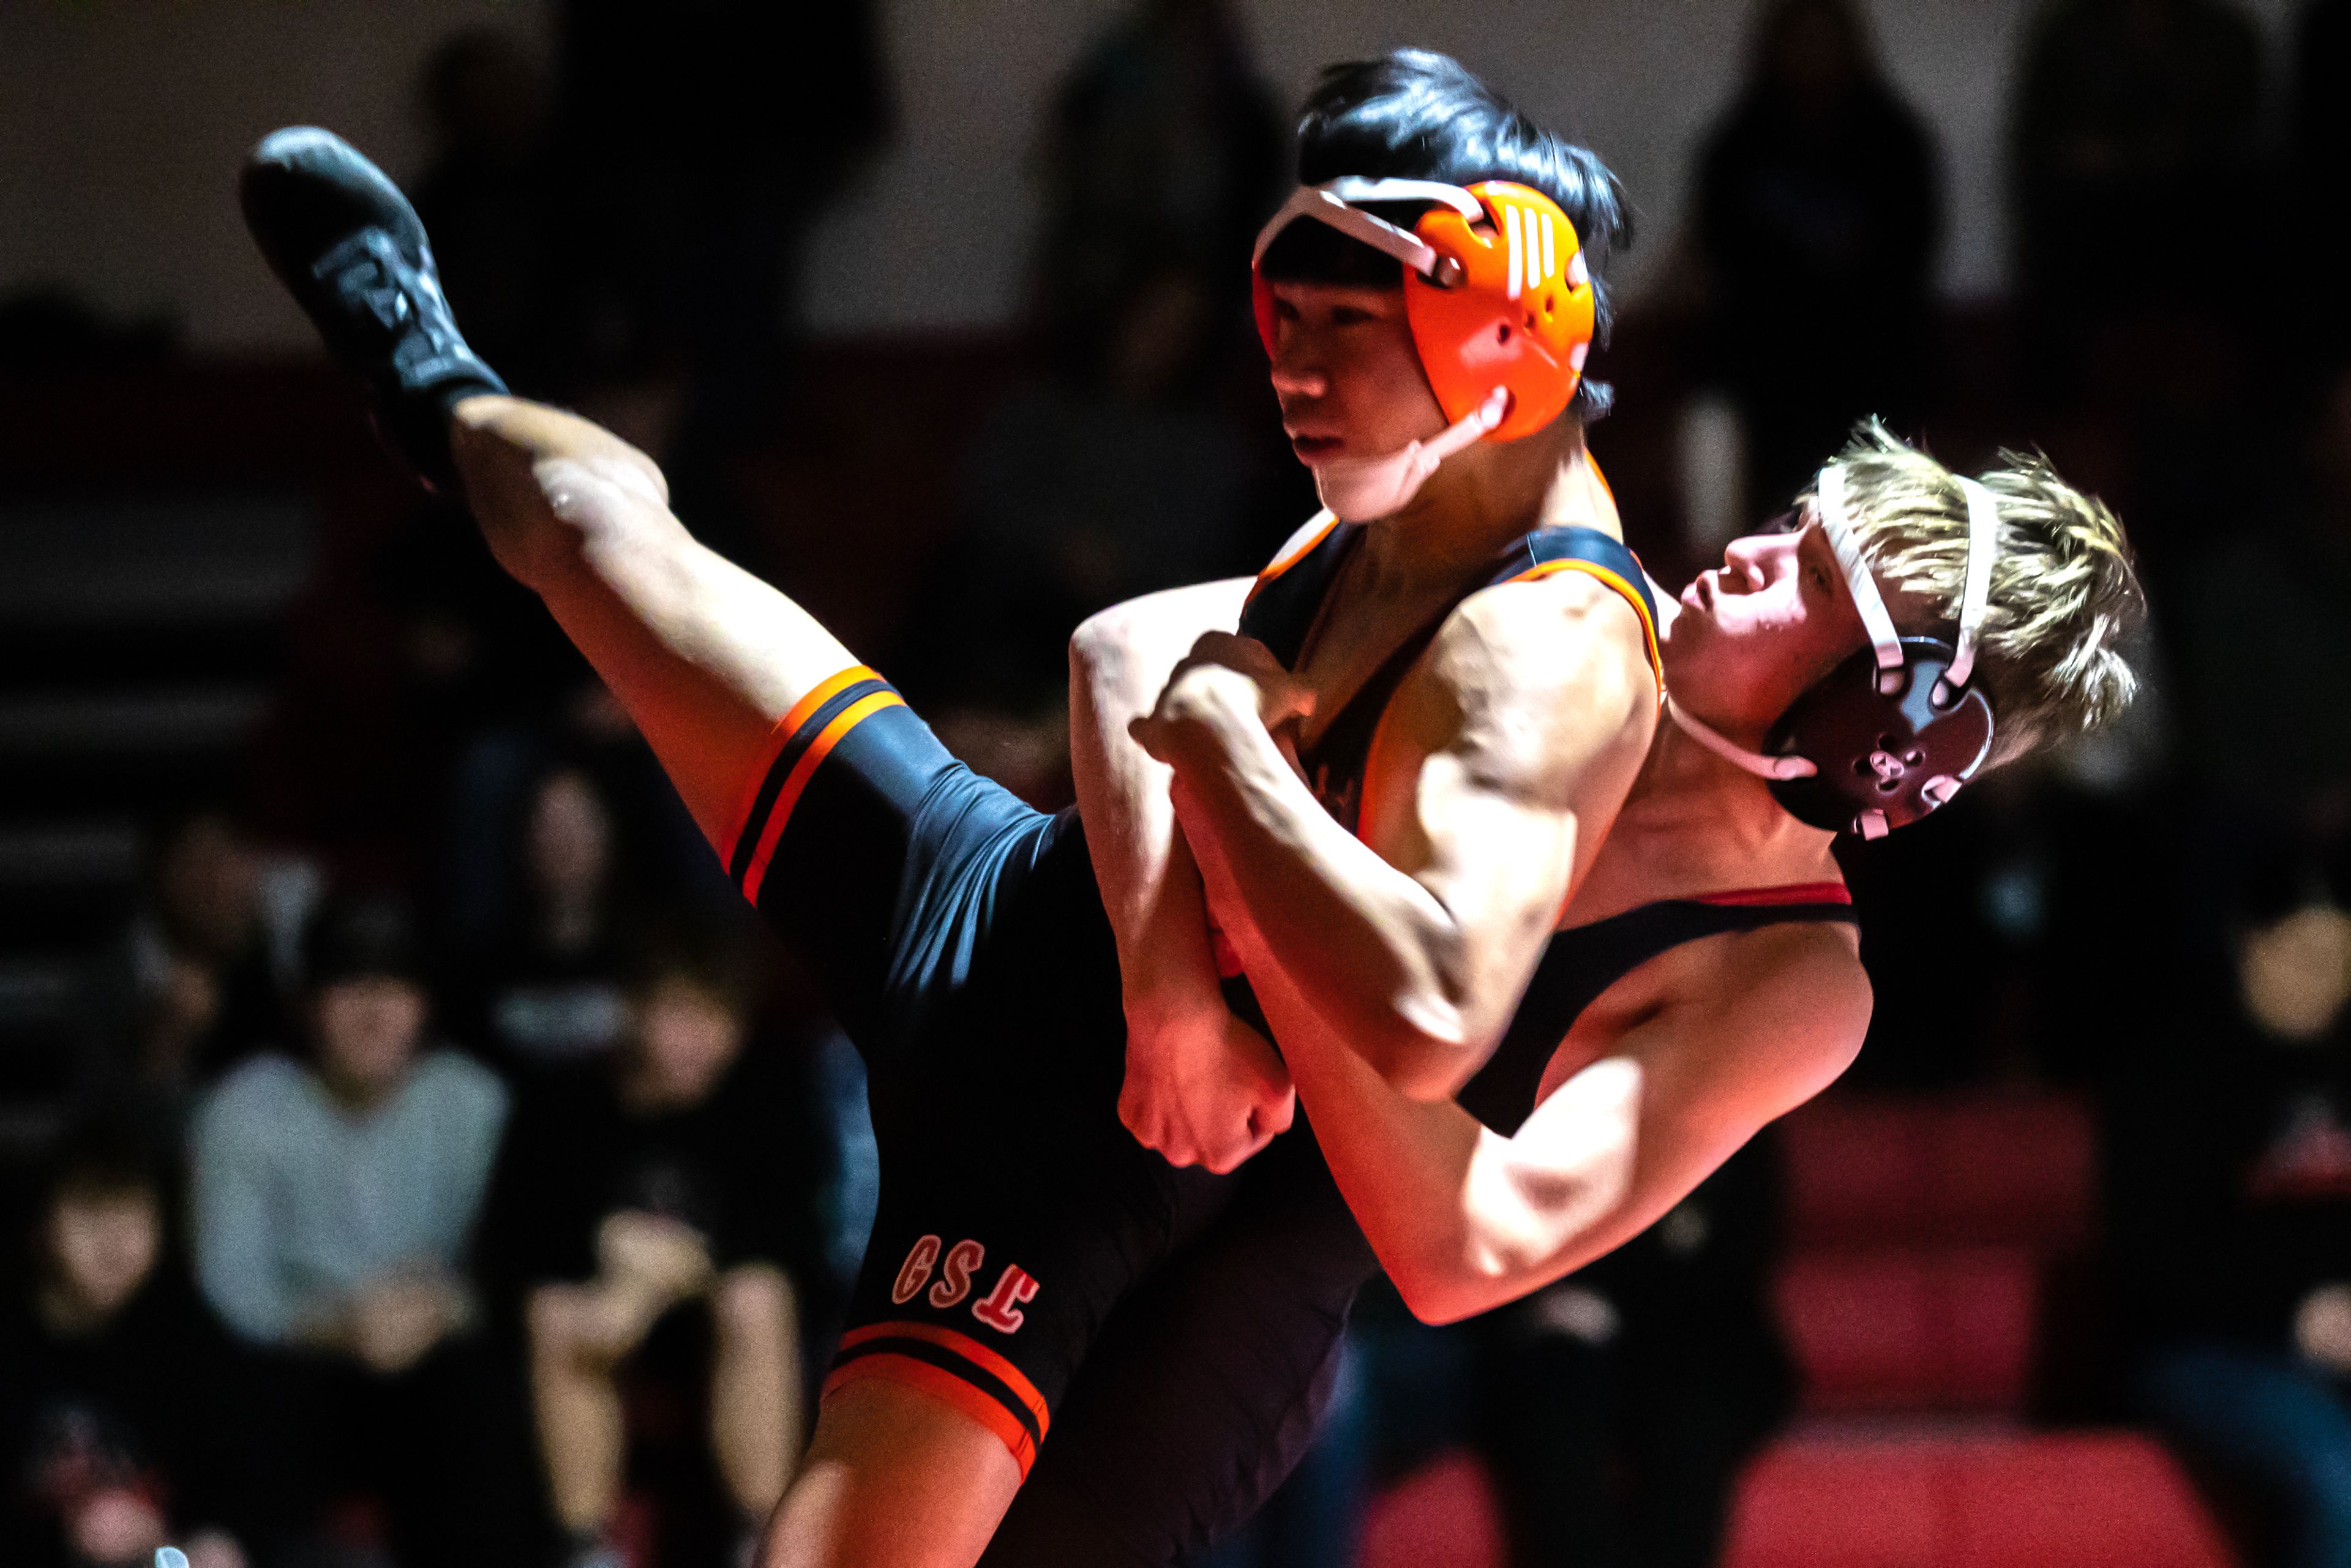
<point>1538,638</point>
<point>1550,604</point>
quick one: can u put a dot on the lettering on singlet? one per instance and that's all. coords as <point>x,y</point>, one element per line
<point>999,1309</point>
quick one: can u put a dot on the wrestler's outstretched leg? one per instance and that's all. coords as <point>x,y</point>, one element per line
<point>706,659</point>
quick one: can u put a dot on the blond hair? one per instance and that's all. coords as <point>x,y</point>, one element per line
<point>2065,592</point>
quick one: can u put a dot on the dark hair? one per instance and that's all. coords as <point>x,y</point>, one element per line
<point>701,954</point>
<point>106,1153</point>
<point>172,827</point>
<point>366,937</point>
<point>1412,114</point>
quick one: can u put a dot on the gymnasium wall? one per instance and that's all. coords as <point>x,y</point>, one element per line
<point>121,122</point>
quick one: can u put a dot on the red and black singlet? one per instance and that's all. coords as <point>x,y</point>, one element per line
<point>1580,963</point>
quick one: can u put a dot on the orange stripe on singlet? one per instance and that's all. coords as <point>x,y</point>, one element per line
<point>803,771</point>
<point>964,1346</point>
<point>1283,563</point>
<point>781,736</point>
<point>1625,591</point>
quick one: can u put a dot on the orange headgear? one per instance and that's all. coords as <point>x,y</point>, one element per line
<point>1495,288</point>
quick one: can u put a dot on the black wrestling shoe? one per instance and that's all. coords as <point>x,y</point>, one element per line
<point>347,245</point>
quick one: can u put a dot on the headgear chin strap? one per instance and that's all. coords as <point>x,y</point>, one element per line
<point>1366,489</point>
<point>1502,307</point>
<point>1738,756</point>
<point>1892,732</point>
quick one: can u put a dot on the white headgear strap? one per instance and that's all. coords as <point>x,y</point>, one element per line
<point>1983,548</point>
<point>1366,489</point>
<point>1333,203</point>
<point>1738,756</point>
<point>1837,525</point>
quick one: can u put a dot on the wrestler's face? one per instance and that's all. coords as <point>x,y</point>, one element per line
<point>1755,631</point>
<point>1347,374</point>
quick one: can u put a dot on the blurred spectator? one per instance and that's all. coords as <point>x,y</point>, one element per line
<point>657,856</point>
<point>207,983</point>
<point>547,989</point>
<point>484,196</point>
<point>113,1400</point>
<point>2232,1179</point>
<point>1162,155</point>
<point>2320,171</point>
<point>1117,467</point>
<point>1819,214</point>
<point>2264,624</point>
<point>333,1199</point>
<point>2131,112</point>
<point>678,1175</point>
<point>1110,475</point>
<point>703,141</point>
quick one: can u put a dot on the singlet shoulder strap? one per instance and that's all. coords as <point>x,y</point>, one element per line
<point>1547,552</point>
<point>1281,605</point>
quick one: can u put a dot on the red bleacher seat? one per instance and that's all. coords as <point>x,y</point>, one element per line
<point>1992,1169</point>
<point>1920,1235</point>
<point>1832,1499</point>
<point>1806,1505</point>
<point>1443,1515</point>
<point>1928,1328</point>
<point>2070,1500</point>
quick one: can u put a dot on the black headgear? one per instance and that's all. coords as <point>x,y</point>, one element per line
<point>1894,731</point>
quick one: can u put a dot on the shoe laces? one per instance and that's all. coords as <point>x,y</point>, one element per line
<point>402,298</point>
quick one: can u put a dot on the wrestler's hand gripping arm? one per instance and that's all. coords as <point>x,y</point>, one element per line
<point>1202,1087</point>
<point>1494,775</point>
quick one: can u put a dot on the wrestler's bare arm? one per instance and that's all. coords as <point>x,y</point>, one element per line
<point>1502,759</point>
<point>1465,1220</point>
<point>1119,661</point>
<point>1201,1086</point>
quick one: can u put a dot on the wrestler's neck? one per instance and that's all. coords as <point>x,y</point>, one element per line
<point>1690,808</point>
<point>1482,499</point>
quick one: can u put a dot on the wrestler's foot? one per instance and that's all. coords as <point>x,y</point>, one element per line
<point>347,245</point>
